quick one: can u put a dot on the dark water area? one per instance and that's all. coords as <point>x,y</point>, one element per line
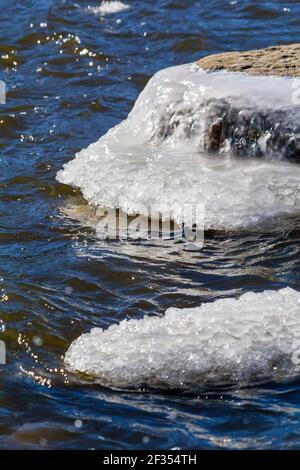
<point>70,75</point>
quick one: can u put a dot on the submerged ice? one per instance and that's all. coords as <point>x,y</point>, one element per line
<point>249,340</point>
<point>189,139</point>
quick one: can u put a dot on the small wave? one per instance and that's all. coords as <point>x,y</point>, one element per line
<point>108,8</point>
<point>243,341</point>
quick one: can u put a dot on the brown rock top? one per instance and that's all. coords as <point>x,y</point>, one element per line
<point>278,60</point>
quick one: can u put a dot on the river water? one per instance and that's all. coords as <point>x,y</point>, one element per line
<point>73,71</point>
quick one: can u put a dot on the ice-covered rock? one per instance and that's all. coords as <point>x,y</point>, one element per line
<point>255,338</point>
<point>161,154</point>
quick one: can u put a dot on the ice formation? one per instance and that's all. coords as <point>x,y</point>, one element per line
<point>249,340</point>
<point>108,8</point>
<point>189,140</point>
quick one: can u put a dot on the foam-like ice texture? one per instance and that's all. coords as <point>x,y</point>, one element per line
<point>108,8</point>
<point>160,154</point>
<point>252,339</point>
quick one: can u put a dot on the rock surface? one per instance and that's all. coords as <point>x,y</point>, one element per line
<point>255,132</point>
<point>252,132</point>
<point>278,60</point>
